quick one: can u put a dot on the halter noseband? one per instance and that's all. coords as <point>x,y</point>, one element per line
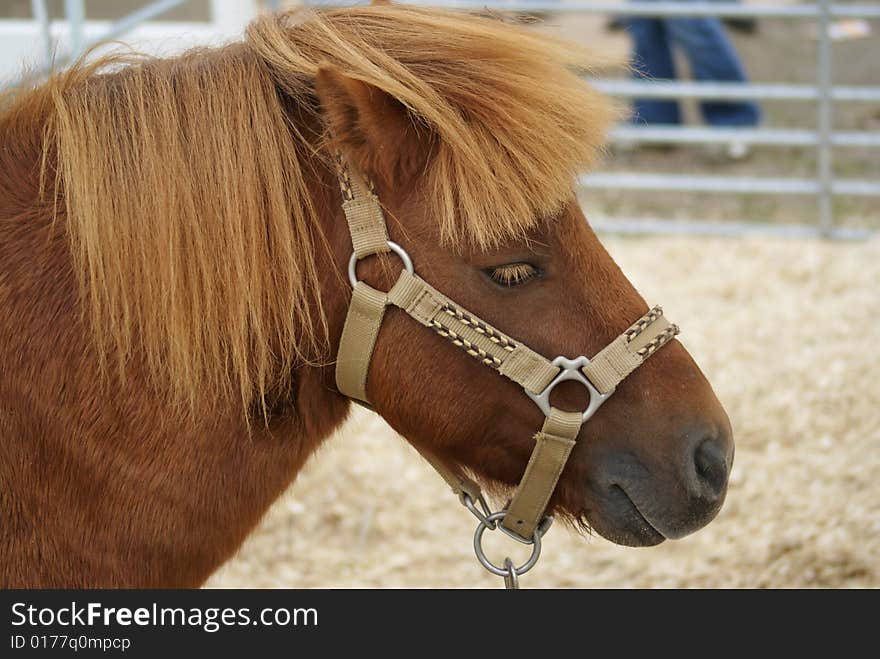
<point>523,518</point>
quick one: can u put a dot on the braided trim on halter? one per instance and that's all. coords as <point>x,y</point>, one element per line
<point>661,340</point>
<point>467,346</point>
<point>494,335</point>
<point>639,326</point>
<point>475,336</point>
<point>347,184</point>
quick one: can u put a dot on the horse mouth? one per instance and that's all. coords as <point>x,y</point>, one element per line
<point>622,522</point>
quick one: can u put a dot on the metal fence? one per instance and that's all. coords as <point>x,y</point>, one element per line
<point>47,44</point>
<point>75,17</point>
<point>824,186</point>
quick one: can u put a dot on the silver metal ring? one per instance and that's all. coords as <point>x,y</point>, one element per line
<point>489,565</point>
<point>394,247</point>
<point>570,369</point>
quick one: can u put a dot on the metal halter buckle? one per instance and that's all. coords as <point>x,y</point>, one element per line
<point>394,247</point>
<point>571,370</point>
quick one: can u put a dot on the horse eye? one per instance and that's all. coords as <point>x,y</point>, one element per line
<point>513,274</point>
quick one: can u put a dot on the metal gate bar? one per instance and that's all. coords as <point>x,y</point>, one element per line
<point>731,9</point>
<point>74,14</point>
<point>737,184</point>
<point>723,229</point>
<point>777,136</point>
<point>731,90</point>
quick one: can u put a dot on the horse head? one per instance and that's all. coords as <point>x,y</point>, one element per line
<point>484,205</point>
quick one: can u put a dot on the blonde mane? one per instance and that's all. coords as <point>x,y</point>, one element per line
<point>184,179</point>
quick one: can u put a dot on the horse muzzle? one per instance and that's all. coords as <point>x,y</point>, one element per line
<point>633,504</point>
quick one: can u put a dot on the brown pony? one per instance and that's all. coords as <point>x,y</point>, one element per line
<point>172,289</point>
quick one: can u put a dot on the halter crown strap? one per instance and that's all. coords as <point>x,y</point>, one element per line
<point>366,222</point>
<point>365,314</point>
<point>511,358</point>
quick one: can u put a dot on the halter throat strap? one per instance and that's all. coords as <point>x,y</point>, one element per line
<point>536,374</point>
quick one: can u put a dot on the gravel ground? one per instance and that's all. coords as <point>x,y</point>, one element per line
<point>794,362</point>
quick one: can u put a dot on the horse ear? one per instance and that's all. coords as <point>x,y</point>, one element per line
<point>375,130</point>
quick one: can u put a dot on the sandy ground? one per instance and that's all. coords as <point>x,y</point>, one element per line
<point>795,362</point>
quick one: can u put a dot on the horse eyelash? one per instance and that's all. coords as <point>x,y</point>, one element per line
<point>513,274</point>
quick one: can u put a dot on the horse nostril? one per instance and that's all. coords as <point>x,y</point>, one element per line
<point>711,466</point>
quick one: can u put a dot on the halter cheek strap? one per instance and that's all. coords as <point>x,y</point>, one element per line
<point>524,517</point>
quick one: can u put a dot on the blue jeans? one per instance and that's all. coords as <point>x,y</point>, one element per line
<point>711,55</point>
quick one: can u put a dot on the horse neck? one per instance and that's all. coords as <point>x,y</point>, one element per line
<point>21,134</point>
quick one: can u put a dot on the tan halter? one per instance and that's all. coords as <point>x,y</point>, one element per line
<point>523,519</point>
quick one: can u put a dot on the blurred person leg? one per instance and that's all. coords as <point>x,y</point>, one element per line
<point>713,57</point>
<point>652,60</point>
